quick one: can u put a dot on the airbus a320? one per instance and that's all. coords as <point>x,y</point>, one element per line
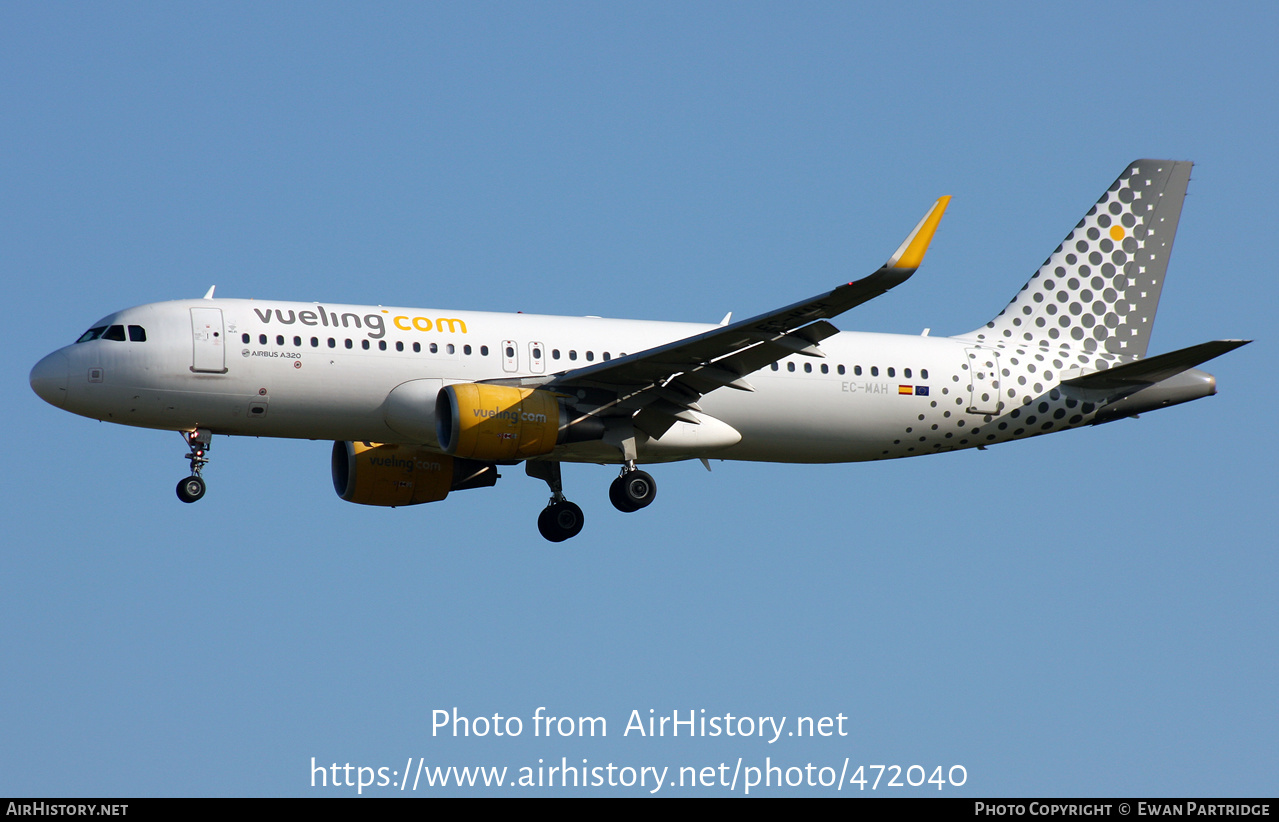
<point>423,402</point>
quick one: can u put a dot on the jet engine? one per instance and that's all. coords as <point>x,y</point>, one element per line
<point>501,423</point>
<point>371,473</point>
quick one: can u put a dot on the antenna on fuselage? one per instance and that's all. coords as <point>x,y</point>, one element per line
<point>209,295</point>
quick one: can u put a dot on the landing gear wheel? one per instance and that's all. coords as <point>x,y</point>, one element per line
<point>560,521</point>
<point>191,489</point>
<point>632,491</point>
<point>617,496</point>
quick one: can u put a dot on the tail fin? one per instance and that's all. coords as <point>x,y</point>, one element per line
<point>1099,290</point>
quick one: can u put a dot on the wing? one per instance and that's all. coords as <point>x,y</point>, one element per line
<point>661,385</point>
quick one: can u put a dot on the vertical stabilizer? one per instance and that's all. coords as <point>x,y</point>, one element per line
<point>1099,290</point>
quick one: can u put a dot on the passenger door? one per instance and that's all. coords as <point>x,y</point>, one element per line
<point>208,341</point>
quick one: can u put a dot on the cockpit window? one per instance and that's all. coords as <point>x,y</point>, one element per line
<point>114,332</point>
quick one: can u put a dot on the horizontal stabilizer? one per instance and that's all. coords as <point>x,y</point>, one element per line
<point>1153,369</point>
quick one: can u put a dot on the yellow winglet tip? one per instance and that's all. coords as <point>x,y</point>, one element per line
<point>911,253</point>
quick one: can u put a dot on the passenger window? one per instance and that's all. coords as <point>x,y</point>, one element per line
<point>466,349</point>
<point>607,356</point>
<point>399,345</point>
<point>874,370</point>
<point>348,343</point>
<point>572,355</point>
<point>774,366</point>
<point>923,373</point>
<point>244,338</point>
<point>315,342</point>
<point>840,369</point>
<point>892,372</point>
<point>825,368</point>
<point>333,343</point>
<point>297,341</point>
<point>555,353</point>
<point>906,373</point>
<point>857,370</point>
<point>364,344</point>
<point>381,345</point>
<point>435,349</point>
<point>452,349</point>
<point>417,348</point>
<point>484,350</point>
<point>510,352</point>
<point>790,366</point>
<point>808,368</point>
<point>590,356</point>
<point>279,339</point>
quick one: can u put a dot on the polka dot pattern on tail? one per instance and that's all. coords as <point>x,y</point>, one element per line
<point>1099,290</point>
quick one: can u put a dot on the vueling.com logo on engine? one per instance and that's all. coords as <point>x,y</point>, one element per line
<point>509,416</point>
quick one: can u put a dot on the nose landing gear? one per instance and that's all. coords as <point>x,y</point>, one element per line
<point>199,442</point>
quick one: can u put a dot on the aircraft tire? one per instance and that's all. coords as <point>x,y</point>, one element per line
<point>560,521</point>
<point>191,489</point>
<point>637,489</point>
<point>617,496</point>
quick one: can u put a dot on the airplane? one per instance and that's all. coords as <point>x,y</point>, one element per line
<point>423,402</point>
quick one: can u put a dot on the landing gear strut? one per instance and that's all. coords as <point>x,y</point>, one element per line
<point>560,519</point>
<point>632,490</point>
<point>199,442</point>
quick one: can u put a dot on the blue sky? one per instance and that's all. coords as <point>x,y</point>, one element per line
<point>1084,614</point>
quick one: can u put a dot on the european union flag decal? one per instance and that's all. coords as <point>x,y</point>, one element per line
<point>921,391</point>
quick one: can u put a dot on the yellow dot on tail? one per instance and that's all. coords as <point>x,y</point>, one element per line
<point>1116,232</point>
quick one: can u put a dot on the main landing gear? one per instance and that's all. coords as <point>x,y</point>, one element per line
<point>199,442</point>
<point>632,490</point>
<point>561,519</point>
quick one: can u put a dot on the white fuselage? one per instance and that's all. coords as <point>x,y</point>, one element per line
<point>319,371</point>
<point>422,402</point>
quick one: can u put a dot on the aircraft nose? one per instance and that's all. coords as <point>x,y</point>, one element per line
<point>49,378</point>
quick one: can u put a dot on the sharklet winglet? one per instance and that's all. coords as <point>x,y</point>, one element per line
<point>910,253</point>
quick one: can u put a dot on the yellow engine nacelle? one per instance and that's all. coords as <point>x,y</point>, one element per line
<point>497,422</point>
<point>371,473</point>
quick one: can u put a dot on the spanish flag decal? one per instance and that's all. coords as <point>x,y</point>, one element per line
<point>908,390</point>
